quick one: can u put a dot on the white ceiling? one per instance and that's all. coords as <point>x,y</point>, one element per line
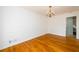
<point>56,9</point>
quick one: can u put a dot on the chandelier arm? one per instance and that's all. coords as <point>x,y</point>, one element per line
<point>50,13</point>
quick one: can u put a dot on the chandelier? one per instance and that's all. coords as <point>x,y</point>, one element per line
<point>50,12</point>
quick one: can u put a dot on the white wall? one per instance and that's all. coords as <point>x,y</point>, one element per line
<point>19,24</point>
<point>57,24</point>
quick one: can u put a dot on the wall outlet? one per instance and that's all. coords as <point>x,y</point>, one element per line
<point>12,41</point>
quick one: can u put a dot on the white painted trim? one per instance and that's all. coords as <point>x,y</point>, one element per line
<point>18,42</point>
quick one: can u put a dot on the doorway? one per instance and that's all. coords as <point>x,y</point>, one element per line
<point>71,26</point>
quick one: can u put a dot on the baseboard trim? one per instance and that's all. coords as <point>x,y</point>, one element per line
<point>27,39</point>
<point>22,41</point>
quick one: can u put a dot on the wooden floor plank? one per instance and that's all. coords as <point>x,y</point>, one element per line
<point>46,43</point>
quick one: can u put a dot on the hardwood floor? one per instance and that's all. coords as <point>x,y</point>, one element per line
<point>46,43</point>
